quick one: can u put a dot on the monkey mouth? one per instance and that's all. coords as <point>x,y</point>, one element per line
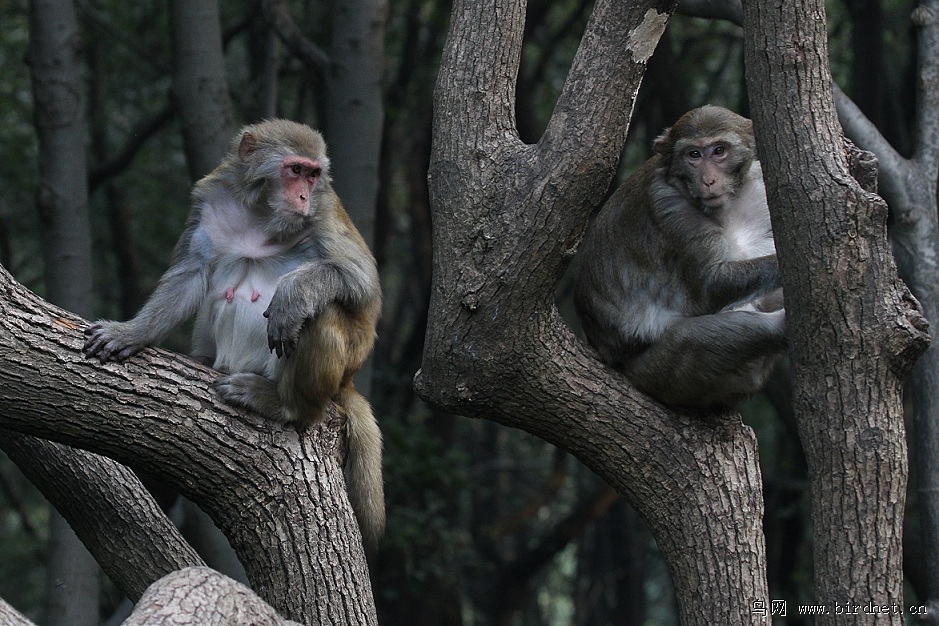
<point>713,200</point>
<point>295,212</point>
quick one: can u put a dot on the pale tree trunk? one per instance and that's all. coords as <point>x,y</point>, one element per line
<point>507,218</point>
<point>278,495</point>
<point>62,197</point>
<point>854,329</point>
<point>355,113</point>
<point>200,86</point>
<point>909,186</point>
<point>62,201</point>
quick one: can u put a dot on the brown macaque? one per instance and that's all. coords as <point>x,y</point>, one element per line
<point>285,293</point>
<point>679,286</point>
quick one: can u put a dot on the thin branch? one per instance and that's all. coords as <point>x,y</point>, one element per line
<point>101,19</point>
<point>100,172</point>
<point>894,169</point>
<point>278,16</point>
<point>509,590</point>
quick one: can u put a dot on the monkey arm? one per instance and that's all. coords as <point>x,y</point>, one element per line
<point>177,296</point>
<point>348,278</point>
<point>728,282</point>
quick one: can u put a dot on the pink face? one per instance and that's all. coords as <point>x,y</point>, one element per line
<point>299,176</point>
<point>707,162</point>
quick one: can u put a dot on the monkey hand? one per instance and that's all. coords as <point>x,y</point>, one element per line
<point>286,314</point>
<point>770,302</point>
<point>110,341</point>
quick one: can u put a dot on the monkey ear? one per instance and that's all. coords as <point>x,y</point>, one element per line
<point>247,146</point>
<point>660,145</point>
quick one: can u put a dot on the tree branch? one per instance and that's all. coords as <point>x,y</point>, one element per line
<point>262,484</point>
<point>278,16</point>
<point>107,507</point>
<point>854,330</point>
<point>202,597</point>
<point>507,220</point>
<point>11,617</point>
<point>894,169</point>
<point>100,172</point>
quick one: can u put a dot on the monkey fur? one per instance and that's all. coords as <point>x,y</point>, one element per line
<point>285,293</point>
<point>679,287</point>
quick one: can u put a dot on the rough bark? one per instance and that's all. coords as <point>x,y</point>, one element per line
<point>909,187</point>
<point>11,617</point>
<point>200,86</point>
<point>854,329</point>
<point>202,597</point>
<point>278,495</point>
<point>507,218</point>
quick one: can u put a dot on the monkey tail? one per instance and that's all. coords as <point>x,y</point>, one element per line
<point>366,489</point>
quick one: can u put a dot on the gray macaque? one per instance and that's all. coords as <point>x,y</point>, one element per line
<point>285,293</point>
<point>679,286</point>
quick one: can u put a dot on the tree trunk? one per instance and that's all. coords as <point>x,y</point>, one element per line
<point>355,113</point>
<point>200,89</point>
<point>62,202</point>
<point>507,218</point>
<point>62,197</point>
<point>278,495</point>
<point>854,329</point>
<point>200,86</point>
<point>909,186</point>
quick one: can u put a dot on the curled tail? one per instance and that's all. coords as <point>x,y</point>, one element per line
<point>365,485</point>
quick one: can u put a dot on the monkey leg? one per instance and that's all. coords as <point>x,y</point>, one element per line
<point>251,391</point>
<point>711,359</point>
<point>331,348</point>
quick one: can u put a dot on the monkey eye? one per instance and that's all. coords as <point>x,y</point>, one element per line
<point>694,154</point>
<point>296,169</point>
<point>720,150</point>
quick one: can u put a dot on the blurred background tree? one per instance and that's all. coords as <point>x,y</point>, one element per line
<point>487,525</point>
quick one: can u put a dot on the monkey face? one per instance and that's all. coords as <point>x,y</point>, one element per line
<point>299,177</point>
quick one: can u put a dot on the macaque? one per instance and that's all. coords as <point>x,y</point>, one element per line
<point>679,287</point>
<point>285,293</point>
